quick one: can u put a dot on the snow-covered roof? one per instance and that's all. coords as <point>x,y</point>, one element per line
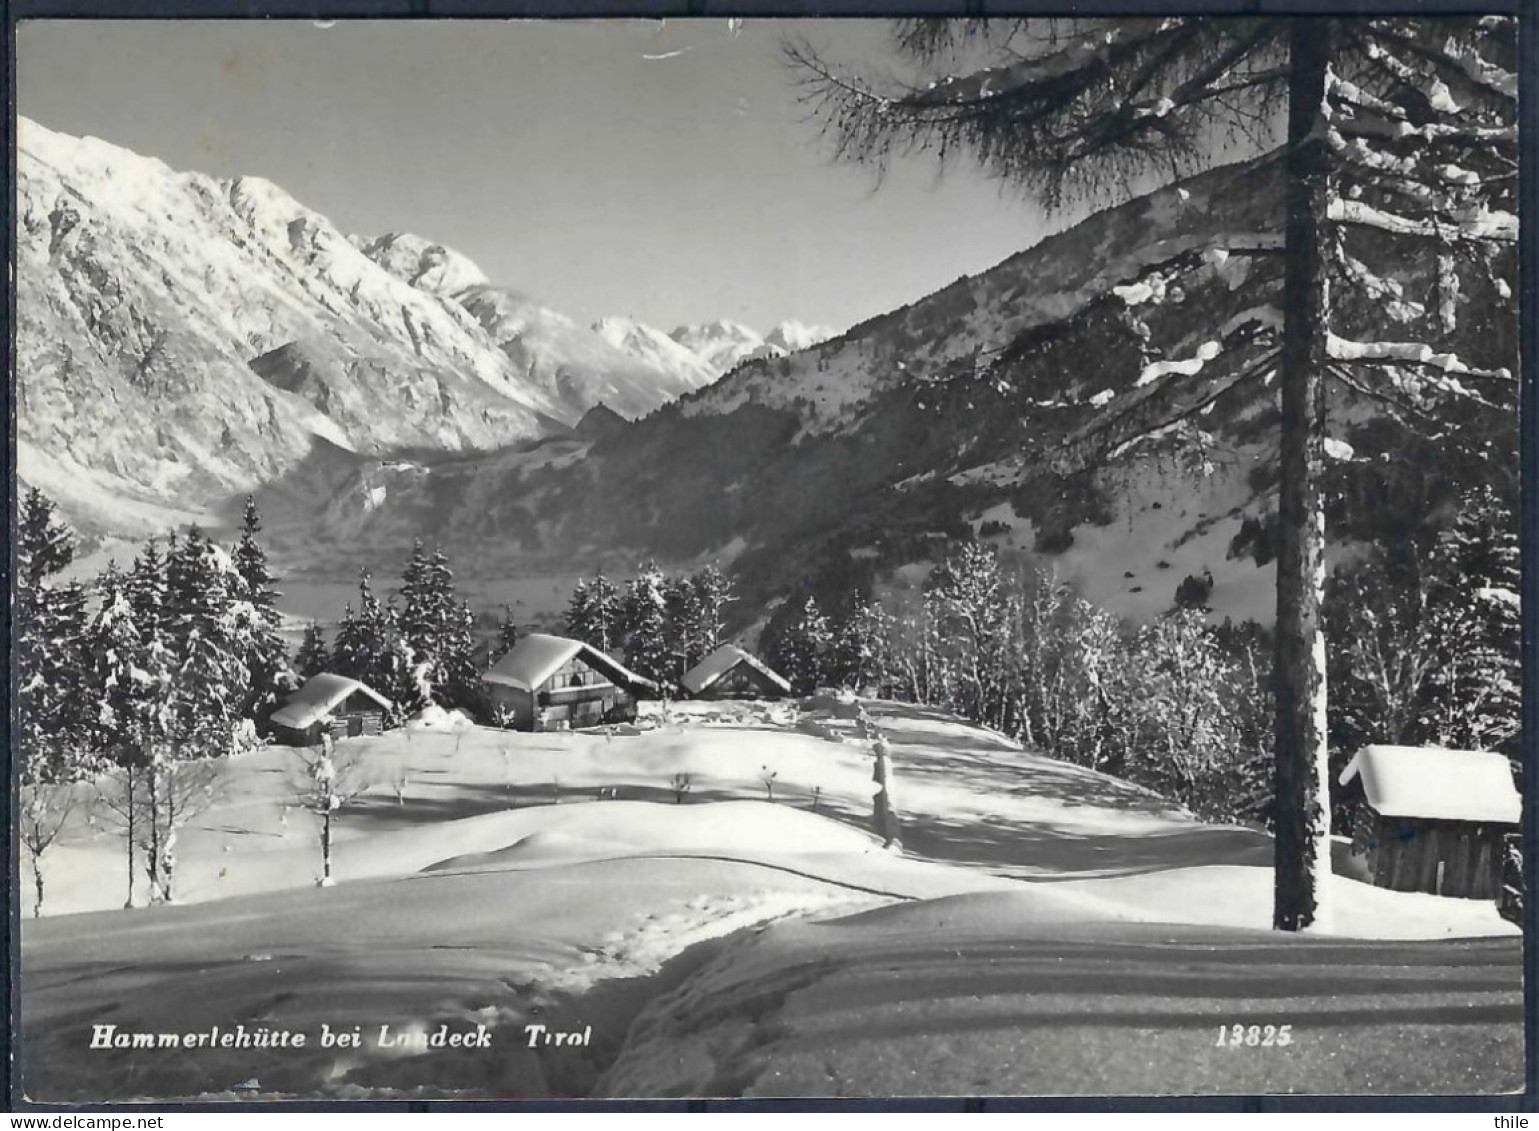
<point>536,657</point>
<point>723,660</point>
<point>319,697</point>
<point>1436,784</point>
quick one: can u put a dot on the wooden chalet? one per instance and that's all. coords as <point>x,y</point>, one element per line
<point>731,673</point>
<point>553,683</point>
<point>1432,820</point>
<point>329,704</point>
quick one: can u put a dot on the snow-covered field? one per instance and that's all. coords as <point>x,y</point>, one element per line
<point>568,880</point>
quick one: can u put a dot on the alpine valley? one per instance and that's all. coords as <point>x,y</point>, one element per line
<point>183,341</point>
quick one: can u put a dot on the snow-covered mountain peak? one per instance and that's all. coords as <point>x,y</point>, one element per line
<point>425,265</point>
<point>792,336</point>
<point>723,344</point>
<point>88,157</point>
<point>654,347</point>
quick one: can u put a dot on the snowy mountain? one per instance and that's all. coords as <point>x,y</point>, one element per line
<point>724,344</point>
<point>1021,406</point>
<point>425,265</point>
<point>183,339</point>
<point>577,367</point>
<point>791,336</point>
<point>656,349</point>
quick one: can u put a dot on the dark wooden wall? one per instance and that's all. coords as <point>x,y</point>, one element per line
<point>1453,858</point>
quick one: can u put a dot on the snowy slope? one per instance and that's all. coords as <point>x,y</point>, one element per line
<point>484,882</point>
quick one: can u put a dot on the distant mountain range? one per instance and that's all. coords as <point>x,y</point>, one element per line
<point>1095,405</point>
<point>183,338</point>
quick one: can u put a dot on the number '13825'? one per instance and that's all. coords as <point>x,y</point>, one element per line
<point>1254,1036</point>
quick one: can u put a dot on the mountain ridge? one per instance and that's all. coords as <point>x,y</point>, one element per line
<point>182,339</point>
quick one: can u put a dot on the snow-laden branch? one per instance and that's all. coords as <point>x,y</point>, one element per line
<point>1411,353</point>
<point>1112,421</point>
<point>1481,71</point>
<point>1400,129</point>
<point>1186,367</point>
<point>1475,223</point>
<point>1421,71</point>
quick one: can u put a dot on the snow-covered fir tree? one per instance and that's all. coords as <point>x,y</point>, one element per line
<point>256,626</point>
<point>49,654</point>
<point>424,603</point>
<point>595,614</point>
<point>135,682</point>
<point>686,622</point>
<point>801,651</point>
<point>1475,686</point>
<point>644,617</point>
<point>50,667</point>
<point>313,657</point>
<point>210,641</point>
<point>370,647</point>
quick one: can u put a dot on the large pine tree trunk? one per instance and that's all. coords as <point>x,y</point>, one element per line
<point>1303,864</point>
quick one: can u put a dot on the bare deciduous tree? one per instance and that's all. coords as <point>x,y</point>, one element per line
<point>326,781</point>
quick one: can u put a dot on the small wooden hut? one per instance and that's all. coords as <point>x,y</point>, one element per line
<point>330,704</point>
<point>731,673</point>
<point>1432,820</point>
<point>554,683</point>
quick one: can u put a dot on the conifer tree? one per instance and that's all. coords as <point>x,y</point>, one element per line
<point>577,618</point>
<point>438,629</point>
<point>313,657</point>
<point>644,616</point>
<point>422,612</point>
<point>49,656</point>
<point>1475,687</point>
<point>145,586</point>
<point>595,614</point>
<point>1400,149</point>
<point>370,647</point>
<point>686,623</point>
<point>135,680</point>
<point>507,636</point>
<point>461,681</point>
<point>50,666</point>
<point>259,640</point>
<point>209,642</point>
<point>801,651</point>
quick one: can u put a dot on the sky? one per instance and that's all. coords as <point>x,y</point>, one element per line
<point>658,170</point>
